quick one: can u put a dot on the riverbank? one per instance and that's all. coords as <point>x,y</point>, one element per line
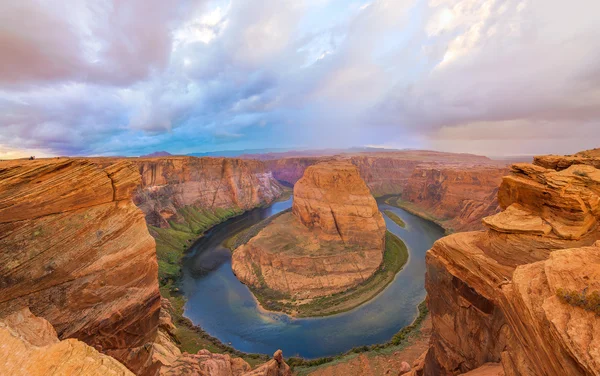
<point>395,257</point>
<point>416,334</point>
<point>396,200</point>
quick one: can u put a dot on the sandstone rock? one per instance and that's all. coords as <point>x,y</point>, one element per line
<point>333,240</point>
<point>70,239</point>
<point>171,183</point>
<point>458,196</point>
<point>29,347</point>
<point>274,367</point>
<point>492,295</point>
<point>404,368</point>
<point>458,189</point>
<point>333,198</point>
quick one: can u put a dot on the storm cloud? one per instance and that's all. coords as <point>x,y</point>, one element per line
<point>126,78</point>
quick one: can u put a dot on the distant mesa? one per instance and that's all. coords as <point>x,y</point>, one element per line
<point>157,154</point>
<point>333,239</point>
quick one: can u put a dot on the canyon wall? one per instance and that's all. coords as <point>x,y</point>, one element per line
<point>457,197</point>
<point>70,237</point>
<point>455,190</point>
<point>523,297</point>
<point>170,183</point>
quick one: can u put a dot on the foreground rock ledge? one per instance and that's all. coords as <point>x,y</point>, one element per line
<point>334,238</point>
<point>494,296</point>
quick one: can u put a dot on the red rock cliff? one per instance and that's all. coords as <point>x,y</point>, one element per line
<point>455,189</point>
<point>457,196</point>
<point>170,183</point>
<point>499,296</point>
<point>76,251</point>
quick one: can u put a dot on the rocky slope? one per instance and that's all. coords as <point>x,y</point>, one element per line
<point>70,237</point>
<point>333,239</point>
<point>77,253</point>
<point>457,197</point>
<point>30,347</point>
<point>523,297</point>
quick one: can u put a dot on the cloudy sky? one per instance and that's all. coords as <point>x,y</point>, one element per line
<point>130,77</point>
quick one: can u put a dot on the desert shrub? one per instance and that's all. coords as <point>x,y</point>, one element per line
<point>588,301</point>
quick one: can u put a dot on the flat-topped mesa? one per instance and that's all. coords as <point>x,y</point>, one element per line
<point>332,197</point>
<point>76,251</point>
<point>502,295</point>
<point>333,240</point>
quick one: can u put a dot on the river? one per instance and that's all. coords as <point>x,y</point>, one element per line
<point>225,308</point>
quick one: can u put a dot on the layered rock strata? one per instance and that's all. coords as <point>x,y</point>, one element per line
<point>170,183</point>
<point>333,239</point>
<point>70,237</point>
<point>457,197</point>
<point>495,296</point>
<point>457,190</point>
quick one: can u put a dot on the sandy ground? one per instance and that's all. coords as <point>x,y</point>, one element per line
<point>372,364</point>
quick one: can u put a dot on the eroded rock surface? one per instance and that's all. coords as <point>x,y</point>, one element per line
<point>493,295</point>
<point>171,183</point>
<point>333,239</point>
<point>76,251</point>
<point>29,346</point>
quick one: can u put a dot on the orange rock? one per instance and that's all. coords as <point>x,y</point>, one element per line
<point>71,237</point>
<point>29,347</point>
<point>334,239</point>
<point>333,198</point>
<point>492,295</point>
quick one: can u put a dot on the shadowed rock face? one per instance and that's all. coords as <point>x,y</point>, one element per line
<point>333,239</point>
<point>493,295</point>
<point>71,238</point>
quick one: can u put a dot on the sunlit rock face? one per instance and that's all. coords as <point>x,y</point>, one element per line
<point>77,252</point>
<point>30,347</point>
<point>333,239</point>
<point>498,296</point>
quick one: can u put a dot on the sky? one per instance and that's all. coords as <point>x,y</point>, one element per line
<point>111,77</point>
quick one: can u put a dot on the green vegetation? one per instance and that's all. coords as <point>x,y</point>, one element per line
<point>394,217</point>
<point>394,258</point>
<point>400,340</point>
<point>171,243</point>
<point>244,236</point>
<point>589,302</point>
<point>191,338</point>
<point>414,209</point>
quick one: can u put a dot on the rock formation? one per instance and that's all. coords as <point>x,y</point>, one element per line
<point>333,239</point>
<point>457,197</point>
<point>519,299</point>
<point>30,347</point>
<point>171,183</point>
<point>70,238</point>
<point>456,190</point>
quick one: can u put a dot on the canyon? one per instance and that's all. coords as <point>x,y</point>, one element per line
<point>502,301</point>
<point>454,190</point>
<point>332,240</point>
<point>73,229</point>
<point>70,238</point>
